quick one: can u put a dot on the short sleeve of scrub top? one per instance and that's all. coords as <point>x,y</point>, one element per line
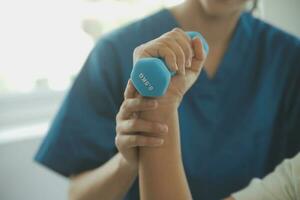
<point>82,133</point>
<point>235,126</point>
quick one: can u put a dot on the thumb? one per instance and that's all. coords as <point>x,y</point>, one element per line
<point>199,54</point>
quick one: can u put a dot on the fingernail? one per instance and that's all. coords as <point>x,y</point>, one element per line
<point>159,141</point>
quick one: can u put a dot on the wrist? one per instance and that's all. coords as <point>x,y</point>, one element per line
<point>164,110</point>
<point>169,103</point>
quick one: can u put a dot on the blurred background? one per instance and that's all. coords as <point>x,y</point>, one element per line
<point>43,45</point>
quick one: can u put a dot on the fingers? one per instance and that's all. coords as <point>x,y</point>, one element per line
<point>130,90</point>
<point>159,49</point>
<point>198,49</point>
<point>175,47</point>
<point>140,125</point>
<point>185,42</point>
<point>181,45</point>
<point>200,54</point>
<point>124,142</point>
<point>130,106</point>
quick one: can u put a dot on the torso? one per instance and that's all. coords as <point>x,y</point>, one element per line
<point>231,124</point>
<point>216,51</point>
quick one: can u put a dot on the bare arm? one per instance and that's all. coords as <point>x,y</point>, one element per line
<point>161,169</point>
<point>111,181</point>
<point>282,183</point>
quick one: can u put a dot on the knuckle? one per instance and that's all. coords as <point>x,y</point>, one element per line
<point>165,44</point>
<point>140,50</point>
<point>177,30</point>
<point>177,38</point>
<point>161,45</point>
<point>136,51</point>
<point>167,40</point>
<point>125,105</point>
<point>136,104</point>
<point>117,141</point>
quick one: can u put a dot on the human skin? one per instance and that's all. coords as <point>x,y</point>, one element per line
<point>161,172</point>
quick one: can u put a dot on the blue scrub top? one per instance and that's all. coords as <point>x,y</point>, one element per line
<point>235,126</point>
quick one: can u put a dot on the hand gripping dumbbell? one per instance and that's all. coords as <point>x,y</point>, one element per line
<point>151,77</point>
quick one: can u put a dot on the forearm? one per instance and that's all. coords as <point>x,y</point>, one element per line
<point>111,181</point>
<point>161,172</point>
<point>283,183</point>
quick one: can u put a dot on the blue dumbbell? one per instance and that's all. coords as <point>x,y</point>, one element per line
<point>151,77</point>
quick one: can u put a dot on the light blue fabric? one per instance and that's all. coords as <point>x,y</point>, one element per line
<point>236,126</point>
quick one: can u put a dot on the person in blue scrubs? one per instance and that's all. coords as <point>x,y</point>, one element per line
<point>238,121</point>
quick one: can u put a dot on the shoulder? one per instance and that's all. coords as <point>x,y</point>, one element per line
<point>273,33</point>
<point>275,48</point>
<point>276,41</point>
<point>279,51</point>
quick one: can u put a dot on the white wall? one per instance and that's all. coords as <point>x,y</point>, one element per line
<point>22,179</point>
<point>283,13</point>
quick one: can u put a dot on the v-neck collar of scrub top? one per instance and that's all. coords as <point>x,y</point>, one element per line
<point>210,92</point>
<point>235,55</point>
